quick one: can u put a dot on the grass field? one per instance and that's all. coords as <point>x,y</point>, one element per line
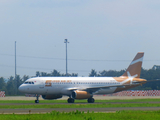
<point>103,105</point>
<point>77,115</point>
<point>90,115</point>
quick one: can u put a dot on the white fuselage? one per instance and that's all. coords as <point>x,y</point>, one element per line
<point>65,85</point>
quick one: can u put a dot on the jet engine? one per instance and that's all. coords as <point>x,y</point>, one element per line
<point>80,94</point>
<point>50,97</point>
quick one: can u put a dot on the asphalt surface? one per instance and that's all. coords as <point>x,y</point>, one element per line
<point>2,104</point>
<point>96,97</point>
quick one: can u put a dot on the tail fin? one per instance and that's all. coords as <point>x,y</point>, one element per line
<point>134,68</point>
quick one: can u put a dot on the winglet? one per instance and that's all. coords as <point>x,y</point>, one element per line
<point>135,66</point>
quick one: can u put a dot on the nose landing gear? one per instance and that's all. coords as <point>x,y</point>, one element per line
<point>37,98</point>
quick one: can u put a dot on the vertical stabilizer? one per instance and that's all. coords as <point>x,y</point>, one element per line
<point>134,68</point>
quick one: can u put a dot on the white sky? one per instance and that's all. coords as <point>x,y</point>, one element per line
<point>96,29</point>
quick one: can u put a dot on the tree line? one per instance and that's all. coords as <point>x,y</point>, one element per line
<point>10,85</point>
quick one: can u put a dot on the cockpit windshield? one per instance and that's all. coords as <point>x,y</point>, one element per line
<point>29,82</point>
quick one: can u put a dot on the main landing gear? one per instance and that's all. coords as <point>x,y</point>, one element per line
<point>90,100</point>
<point>70,100</point>
<point>37,99</point>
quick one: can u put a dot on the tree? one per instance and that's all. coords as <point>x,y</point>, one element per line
<point>112,73</point>
<point>44,74</point>
<point>37,74</point>
<point>93,73</point>
<point>2,83</point>
<point>11,87</point>
<point>73,75</point>
<point>55,73</point>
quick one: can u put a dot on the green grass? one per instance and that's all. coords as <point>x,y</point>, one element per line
<point>77,115</point>
<point>54,115</point>
<point>103,105</point>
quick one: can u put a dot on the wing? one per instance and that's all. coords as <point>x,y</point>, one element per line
<point>94,89</point>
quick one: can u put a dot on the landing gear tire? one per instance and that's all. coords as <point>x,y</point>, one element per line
<point>90,100</point>
<point>37,99</point>
<point>70,100</point>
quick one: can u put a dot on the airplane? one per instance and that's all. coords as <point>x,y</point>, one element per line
<point>84,87</point>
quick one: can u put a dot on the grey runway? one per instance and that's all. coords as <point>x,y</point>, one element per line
<point>96,97</point>
<point>82,103</point>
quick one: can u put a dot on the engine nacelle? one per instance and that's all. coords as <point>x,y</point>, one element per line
<point>51,97</point>
<point>80,95</point>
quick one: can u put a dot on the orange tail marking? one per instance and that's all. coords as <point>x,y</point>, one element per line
<point>134,68</point>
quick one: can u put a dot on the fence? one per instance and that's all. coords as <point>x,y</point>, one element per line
<point>2,93</point>
<point>136,93</point>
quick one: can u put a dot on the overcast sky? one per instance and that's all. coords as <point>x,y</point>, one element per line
<point>102,35</point>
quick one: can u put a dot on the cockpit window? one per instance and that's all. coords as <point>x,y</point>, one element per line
<point>29,82</point>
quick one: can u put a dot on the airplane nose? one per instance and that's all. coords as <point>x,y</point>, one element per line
<point>21,88</point>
